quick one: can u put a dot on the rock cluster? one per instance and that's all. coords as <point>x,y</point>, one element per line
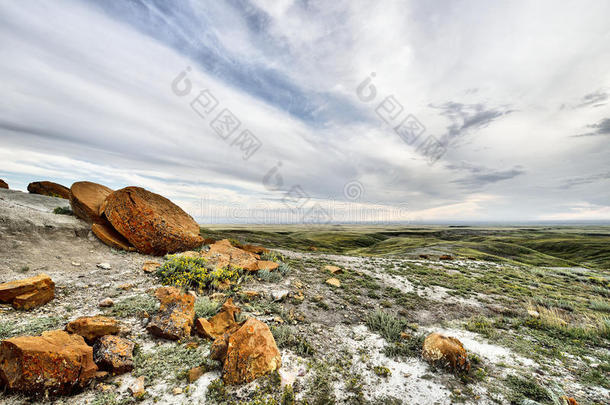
<point>29,292</point>
<point>247,350</point>
<point>50,189</point>
<point>134,219</point>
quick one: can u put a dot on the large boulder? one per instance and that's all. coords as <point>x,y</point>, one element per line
<point>49,188</point>
<point>176,314</point>
<point>251,353</point>
<point>55,362</point>
<point>107,234</point>
<point>223,254</point>
<point>93,327</point>
<point>29,292</point>
<point>445,351</point>
<point>3,184</point>
<point>150,222</point>
<point>113,354</point>
<point>221,323</point>
<point>86,198</point>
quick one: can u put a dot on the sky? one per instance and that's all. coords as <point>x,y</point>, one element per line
<point>310,111</point>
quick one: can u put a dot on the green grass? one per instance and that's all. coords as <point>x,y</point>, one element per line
<point>285,337</point>
<point>32,327</point>
<point>600,305</point>
<point>387,325</point>
<point>134,306</point>
<point>172,360</point>
<point>205,307</point>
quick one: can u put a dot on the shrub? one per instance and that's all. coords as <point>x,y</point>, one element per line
<point>134,305</point>
<point>63,211</point>
<point>269,276</point>
<point>205,307</point>
<point>286,338</point>
<point>388,326</point>
<point>194,272</point>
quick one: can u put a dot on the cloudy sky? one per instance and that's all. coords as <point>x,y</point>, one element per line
<point>314,110</point>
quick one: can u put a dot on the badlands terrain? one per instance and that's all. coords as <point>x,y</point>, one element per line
<point>531,306</point>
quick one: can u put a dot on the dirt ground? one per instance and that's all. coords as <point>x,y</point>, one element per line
<point>331,356</point>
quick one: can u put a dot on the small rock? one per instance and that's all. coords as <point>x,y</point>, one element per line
<point>126,286</point>
<point>106,302</point>
<point>114,354</point>
<point>177,391</point>
<point>194,374</point>
<point>137,388</point>
<point>29,292</point>
<point>279,295</point>
<point>333,282</point>
<point>251,294</point>
<point>176,313</point>
<point>333,269</point>
<point>297,284</point>
<point>93,327</point>
<point>76,264</point>
<point>221,323</point>
<point>446,351</point>
<point>267,265</point>
<point>150,267</point>
<point>533,313</point>
<point>104,266</point>
<point>445,257</point>
<point>101,375</point>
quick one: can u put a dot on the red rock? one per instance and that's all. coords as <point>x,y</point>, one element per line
<point>267,265</point>
<point>195,373</point>
<point>49,188</point>
<point>107,234</point>
<point>150,222</point>
<point>175,317</point>
<point>570,401</point>
<point>259,250</point>
<point>86,199</point>
<point>3,184</point>
<point>251,353</point>
<point>55,362</point>
<point>223,254</point>
<point>445,257</point>
<point>221,323</point>
<point>93,327</point>
<point>114,354</point>
<point>446,351</point>
<point>29,292</point>
<point>150,267</point>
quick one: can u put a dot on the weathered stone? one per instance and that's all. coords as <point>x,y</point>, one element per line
<point>49,188</point>
<point>333,282</point>
<point>106,302</point>
<point>150,222</point>
<point>176,313</point>
<point>223,254</point>
<point>137,388</point>
<point>114,354</point>
<point>93,327</point>
<point>3,184</point>
<point>29,292</point>
<point>221,323</point>
<point>194,374</point>
<point>445,257</point>
<point>86,198</point>
<point>104,266</point>
<point>279,295</point>
<point>251,353</point>
<point>218,350</point>
<point>150,267</point>
<point>267,265</point>
<point>333,269</point>
<point>251,294</point>
<point>55,362</point>
<point>259,250</point>
<point>446,351</point>
<point>569,400</point>
<point>107,234</point>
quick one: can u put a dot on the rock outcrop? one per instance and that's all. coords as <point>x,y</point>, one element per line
<point>150,222</point>
<point>251,353</point>
<point>176,314</point>
<point>86,198</point>
<point>3,184</point>
<point>445,351</point>
<point>49,188</point>
<point>221,323</point>
<point>113,354</point>
<point>29,292</point>
<point>93,327</point>
<point>55,362</point>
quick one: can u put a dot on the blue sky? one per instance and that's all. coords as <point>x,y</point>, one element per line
<point>518,94</point>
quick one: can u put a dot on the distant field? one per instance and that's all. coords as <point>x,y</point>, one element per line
<point>561,246</point>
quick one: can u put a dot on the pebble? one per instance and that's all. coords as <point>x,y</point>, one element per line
<point>105,266</point>
<point>106,302</point>
<point>76,264</point>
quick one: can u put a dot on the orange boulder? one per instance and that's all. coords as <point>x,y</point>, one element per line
<point>251,353</point>
<point>29,292</point>
<point>55,362</point>
<point>258,250</point>
<point>3,184</point>
<point>49,188</point>
<point>150,222</point>
<point>93,327</point>
<point>113,354</point>
<point>222,254</point>
<point>267,265</point>
<point>107,234</point>
<point>86,198</point>
<point>221,323</point>
<point>446,351</point>
<point>175,317</point>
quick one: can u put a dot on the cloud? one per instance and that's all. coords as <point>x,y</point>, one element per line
<point>480,176</point>
<point>595,99</point>
<point>600,128</point>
